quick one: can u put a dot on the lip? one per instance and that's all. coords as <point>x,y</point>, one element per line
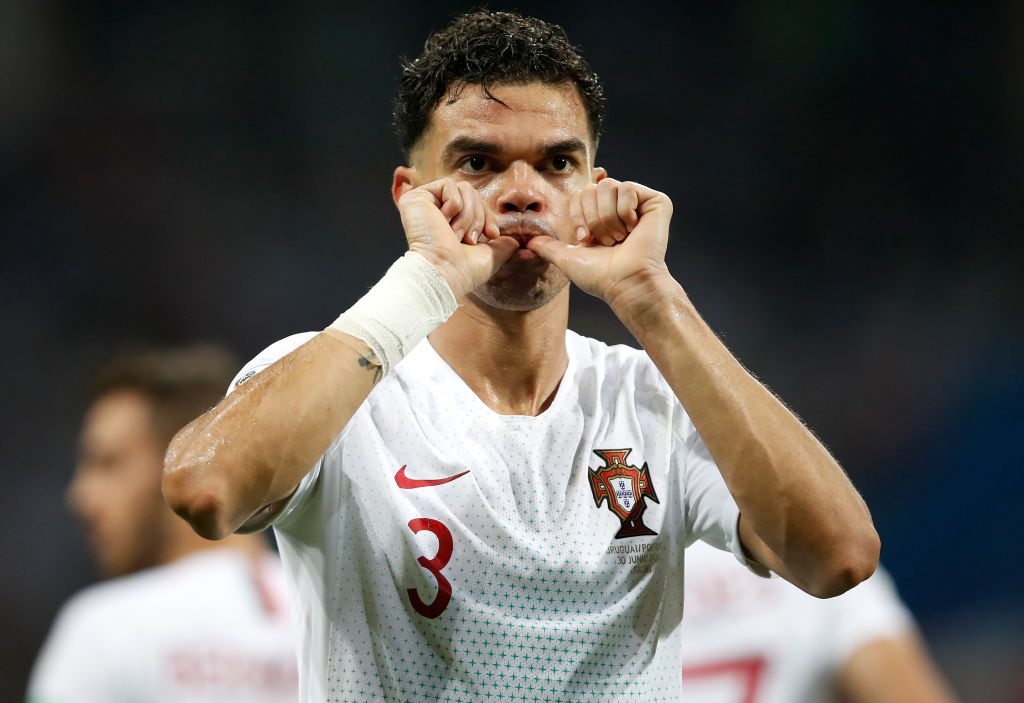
<point>523,235</point>
<point>523,227</point>
<point>523,254</point>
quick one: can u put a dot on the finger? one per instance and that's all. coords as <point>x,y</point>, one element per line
<point>592,211</point>
<point>607,196</point>
<point>491,228</point>
<point>650,199</point>
<point>552,250</point>
<point>463,221</point>
<point>451,200</point>
<point>626,205</point>
<point>495,252</point>
<point>579,222</point>
<point>476,227</point>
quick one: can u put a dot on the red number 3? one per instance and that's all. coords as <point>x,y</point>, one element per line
<point>434,566</point>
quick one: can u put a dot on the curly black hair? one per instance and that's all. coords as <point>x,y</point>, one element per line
<point>488,48</point>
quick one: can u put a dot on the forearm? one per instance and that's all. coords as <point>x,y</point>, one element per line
<point>250,452</point>
<point>253,448</point>
<point>793,496</point>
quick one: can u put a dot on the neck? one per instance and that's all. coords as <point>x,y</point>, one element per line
<point>513,361</point>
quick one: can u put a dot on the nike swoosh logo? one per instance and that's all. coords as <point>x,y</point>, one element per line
<point>404,481</point>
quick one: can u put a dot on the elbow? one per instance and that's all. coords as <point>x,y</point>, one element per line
<point>188,495</point>
<point>201,511</point>
<point>849,565</point>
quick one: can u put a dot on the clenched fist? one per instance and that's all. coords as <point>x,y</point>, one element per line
<point>448,223</point>
<point>621,231</point>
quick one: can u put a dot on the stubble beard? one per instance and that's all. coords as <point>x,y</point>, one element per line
<point>521,286</point>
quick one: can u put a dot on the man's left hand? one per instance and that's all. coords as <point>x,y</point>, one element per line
<point>621,231</point>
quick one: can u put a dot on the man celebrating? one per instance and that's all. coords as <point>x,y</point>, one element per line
<point>500,510</point>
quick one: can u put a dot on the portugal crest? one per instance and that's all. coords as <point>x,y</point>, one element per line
<point>624,487</point>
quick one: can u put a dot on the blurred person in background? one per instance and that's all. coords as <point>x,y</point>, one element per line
<point>180,619</point>
<point>753,640</point>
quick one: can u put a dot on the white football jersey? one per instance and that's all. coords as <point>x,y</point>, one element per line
<point>443,552</point>
<point>753,640</point>
<point>210,627</point>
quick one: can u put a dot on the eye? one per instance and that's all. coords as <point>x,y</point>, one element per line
<point>561,163</point>
<point>473,164</point>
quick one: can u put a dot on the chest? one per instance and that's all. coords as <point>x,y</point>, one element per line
<point>566,513</point>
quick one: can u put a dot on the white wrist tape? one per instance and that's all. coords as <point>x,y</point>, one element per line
<point>396,314</point>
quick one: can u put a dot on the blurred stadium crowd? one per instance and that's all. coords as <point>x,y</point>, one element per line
<point>847,180</point>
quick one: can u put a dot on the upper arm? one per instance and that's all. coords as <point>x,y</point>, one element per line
<point>895,669</point>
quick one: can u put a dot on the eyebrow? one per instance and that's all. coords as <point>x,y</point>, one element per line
<point>469,145</point>
<point>565,146</point>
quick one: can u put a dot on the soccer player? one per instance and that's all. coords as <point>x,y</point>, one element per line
<point>752,640</point>
<point>182,619</point>
<point>499,511</point>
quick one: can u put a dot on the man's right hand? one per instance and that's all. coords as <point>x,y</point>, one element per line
<point>449,224</point>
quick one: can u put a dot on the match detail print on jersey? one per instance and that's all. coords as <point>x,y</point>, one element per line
<point>404,481</point>
<point>624,487</point>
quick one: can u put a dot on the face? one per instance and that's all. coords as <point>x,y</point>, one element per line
<point>525,155</point>
<point>115,490</point>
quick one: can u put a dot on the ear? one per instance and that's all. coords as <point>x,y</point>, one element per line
<point>405,179</point>
<point>598,173</point>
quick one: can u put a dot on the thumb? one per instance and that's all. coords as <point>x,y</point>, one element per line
<point>492,253</point>
<point>553,251</point>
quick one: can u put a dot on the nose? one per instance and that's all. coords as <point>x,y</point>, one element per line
<point>521,190</point>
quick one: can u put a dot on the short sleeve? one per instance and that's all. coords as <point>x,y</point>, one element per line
<point>272,514</point>
<point>870,611</point>
<point>710,510</point>
<point>268,356</point>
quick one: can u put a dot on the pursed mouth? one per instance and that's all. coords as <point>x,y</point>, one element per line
<point>523,228</point>
<point>523,237</point>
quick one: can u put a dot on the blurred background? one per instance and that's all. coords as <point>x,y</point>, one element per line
<point>847,179</point>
